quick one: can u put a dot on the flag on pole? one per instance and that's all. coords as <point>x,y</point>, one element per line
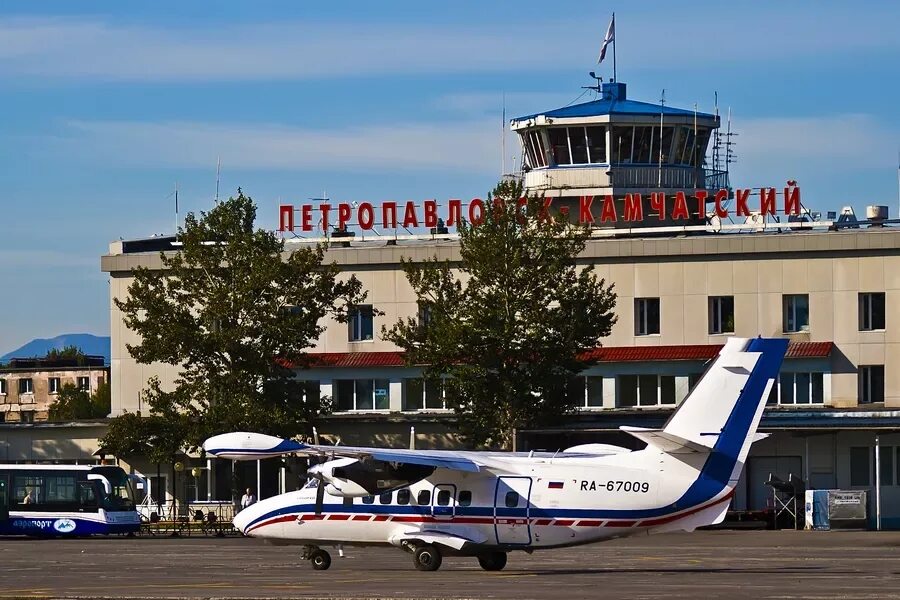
<point>610,38</point>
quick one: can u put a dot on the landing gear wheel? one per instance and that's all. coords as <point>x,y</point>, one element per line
<point>428,558</point>
<point>319,559</point>
<point>495,561</point>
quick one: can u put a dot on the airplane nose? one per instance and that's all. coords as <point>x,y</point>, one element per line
<point>243,519</point>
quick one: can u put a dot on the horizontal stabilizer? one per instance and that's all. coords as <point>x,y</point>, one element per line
<point>667,442</point>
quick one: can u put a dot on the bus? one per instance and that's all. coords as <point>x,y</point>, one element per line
<point>66,500</point>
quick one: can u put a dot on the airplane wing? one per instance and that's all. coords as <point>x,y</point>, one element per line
<point>254,446</point>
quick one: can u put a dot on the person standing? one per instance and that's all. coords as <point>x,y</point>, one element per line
<point>248,499</point>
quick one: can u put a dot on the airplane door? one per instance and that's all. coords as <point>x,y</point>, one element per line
<point>512,509</point>
<point>443,501</point>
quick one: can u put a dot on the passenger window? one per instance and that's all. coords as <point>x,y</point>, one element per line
<point>403,497</point>
<point>348,501</point>
<point>443,497</point>
<point>424,498</point>
<point>368,499</point>
<point>385,498</point>
<point>465,498</point>
<point>512,499</point>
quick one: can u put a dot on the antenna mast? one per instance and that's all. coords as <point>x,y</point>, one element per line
<point>662,105</point>
<point>503,137</point>
<point>176,208</point>
<point>218,167</point>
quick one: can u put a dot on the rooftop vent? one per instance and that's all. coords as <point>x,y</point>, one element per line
<point>877,214</point>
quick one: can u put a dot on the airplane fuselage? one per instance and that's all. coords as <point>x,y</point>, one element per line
<point>529,503</point>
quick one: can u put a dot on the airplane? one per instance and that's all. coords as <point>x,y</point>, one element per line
<point>435,503</point>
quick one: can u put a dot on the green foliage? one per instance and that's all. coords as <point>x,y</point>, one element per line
<point>72,404</point>
<point>69,352</point>
<point>508,323</point>
<point>234,311</point>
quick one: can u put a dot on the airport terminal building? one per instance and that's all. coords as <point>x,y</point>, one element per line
<point>693,261</point>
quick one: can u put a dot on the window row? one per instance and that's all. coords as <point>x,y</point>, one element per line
<point>795,313</point>
<point>586,392</point>
<point>444,497</point>
<point>25,385</point>
<point>647,145</point>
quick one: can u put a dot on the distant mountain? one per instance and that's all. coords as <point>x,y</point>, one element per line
<point>89,344</point>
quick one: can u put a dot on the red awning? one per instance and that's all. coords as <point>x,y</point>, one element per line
<point>609,354</point>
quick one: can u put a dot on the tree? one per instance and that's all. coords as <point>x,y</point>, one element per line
<point>236,313</point>
<point>68,352</point>
<point>72,404</point>
<point>508,325</point>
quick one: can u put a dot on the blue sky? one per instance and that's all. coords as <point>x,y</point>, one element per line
<point>105,105</point>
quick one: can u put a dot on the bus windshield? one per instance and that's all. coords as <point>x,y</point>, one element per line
<point>122,494</point>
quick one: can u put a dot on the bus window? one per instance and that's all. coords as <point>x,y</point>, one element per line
<point>88,496</point>
<point>27,490</point>
<point>121,496</point>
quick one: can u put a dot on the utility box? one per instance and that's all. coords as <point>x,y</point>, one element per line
<point>835,509</point>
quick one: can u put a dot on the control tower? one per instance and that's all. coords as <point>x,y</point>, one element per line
<point>615,147</point>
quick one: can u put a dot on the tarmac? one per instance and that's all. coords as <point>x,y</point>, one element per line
<point>709,564</point>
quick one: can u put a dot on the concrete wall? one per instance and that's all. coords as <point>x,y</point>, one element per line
<point>831,267</point>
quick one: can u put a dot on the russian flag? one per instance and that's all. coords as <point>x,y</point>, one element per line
<point>555,485</point>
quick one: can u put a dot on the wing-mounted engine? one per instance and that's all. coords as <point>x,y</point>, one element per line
<point>352,477</point>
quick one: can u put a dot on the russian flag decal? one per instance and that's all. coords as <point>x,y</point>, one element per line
<point>555,485</point>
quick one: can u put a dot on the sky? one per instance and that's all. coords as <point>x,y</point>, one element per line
<point>105,106</point>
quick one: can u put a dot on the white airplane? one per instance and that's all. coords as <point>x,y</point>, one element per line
<point>433,503</point>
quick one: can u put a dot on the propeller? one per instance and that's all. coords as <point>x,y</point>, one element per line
<point>320,494</point>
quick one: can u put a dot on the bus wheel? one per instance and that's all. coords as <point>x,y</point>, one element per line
<point>428,558</point>
<point>493,561</point>
<point>320,559</point>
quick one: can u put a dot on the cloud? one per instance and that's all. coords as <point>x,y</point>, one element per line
<point>60,49</point>
<point>467,146</point>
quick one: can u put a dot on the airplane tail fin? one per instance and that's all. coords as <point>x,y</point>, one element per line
<point>723,410</point>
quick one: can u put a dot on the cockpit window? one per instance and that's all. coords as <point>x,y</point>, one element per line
<point>311,484</point>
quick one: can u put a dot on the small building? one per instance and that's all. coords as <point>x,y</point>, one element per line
<point>28,386</point>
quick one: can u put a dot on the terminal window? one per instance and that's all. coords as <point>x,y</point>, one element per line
<point>799,388</point>
<point>361,324</point>
<point>721,314</point>
<point>586,392</point>
<point>871,311</point>
<point>362,394</point>
<point>646,316</point>
<point>424,394</point>
<point>871,384</point>
<point>796,312</point>
<point>645,390</point>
